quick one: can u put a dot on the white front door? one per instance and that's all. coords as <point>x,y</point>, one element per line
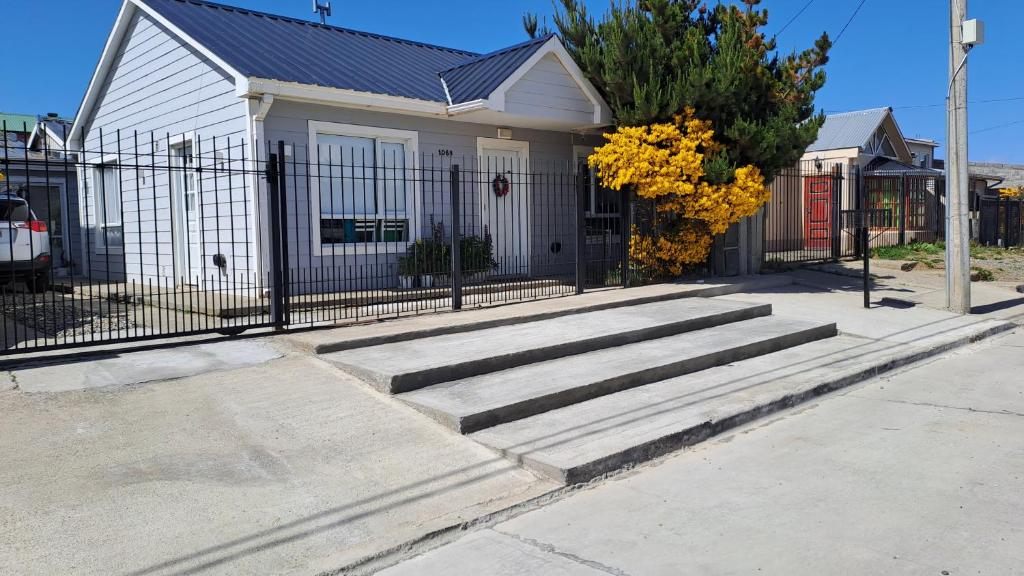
<point>505,203</point>
<point>187,254</point>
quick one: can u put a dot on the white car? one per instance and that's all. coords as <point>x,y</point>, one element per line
<point>24,244</point>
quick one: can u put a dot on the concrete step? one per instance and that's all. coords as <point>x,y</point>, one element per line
<point>583,441</point>
<point>478,402</point>
<point>409,365</point>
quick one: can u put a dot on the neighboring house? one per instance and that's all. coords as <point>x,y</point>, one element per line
<point>922,151</point>
<point>180,74</point>
<point>1000,174</point>
<point>896,176</point>
<point>36,168</point>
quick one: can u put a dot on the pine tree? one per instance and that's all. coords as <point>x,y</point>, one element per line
<point>652,59</point>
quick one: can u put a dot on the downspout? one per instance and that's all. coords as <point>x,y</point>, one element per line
<point>257,109</point>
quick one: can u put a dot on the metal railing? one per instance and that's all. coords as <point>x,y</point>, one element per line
<point>803,221</point>
<point>159,235</point>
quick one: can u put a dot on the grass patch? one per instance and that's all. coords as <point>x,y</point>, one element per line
<point>979,274</point>
<point>917,251</point>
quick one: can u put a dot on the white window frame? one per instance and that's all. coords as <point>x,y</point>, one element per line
<point>577,150</point>
<point>410,139</point>
<point>98,196</point>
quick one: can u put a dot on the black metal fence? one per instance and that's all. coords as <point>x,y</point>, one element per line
<point>809,217</point>
<point>138,236</point>
<point>1000,222</point>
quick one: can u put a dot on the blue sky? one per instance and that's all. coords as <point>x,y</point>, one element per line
<point>894,53</point>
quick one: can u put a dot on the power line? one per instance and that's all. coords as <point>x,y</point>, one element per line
<point>910,106</point>
<point>997,126</point>
<point>989,101</point>
<point>845,26</point>
<point>793,19</point>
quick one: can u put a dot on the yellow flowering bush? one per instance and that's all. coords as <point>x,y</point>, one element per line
<point>1017,192</point>
<point>665,163</point>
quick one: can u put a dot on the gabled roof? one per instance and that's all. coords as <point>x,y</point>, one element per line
<point>57,129</point>
<point>261,45</point>
<point>478,77</point>
<point>272,56</point>
<point>848,129</point>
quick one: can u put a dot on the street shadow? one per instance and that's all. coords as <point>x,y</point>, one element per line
<point>998,306</point>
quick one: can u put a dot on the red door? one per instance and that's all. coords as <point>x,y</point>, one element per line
<point>817,211</point>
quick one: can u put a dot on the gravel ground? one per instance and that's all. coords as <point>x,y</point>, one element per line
<point>55,315</point>
<point>1009,267</point>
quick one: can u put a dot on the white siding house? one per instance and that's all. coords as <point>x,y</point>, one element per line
<point>187,102</point>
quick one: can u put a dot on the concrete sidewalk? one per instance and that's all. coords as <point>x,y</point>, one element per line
<point>921,287</point>
<point>265,459</point>
<point>284,466</point>
<point>919,472</point>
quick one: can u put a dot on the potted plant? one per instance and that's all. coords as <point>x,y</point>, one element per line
<point>476,258</point>
<point>422,262</point>
<point>407,271</point>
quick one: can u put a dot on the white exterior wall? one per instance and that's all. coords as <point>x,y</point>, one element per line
<point>548,91</point>
<point>159,88</point>
<point>551,162</point>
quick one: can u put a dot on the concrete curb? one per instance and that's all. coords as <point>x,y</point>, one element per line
<point>650,453</point>
<point>711,428</point>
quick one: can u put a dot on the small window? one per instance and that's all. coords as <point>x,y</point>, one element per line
<point>107,192</point>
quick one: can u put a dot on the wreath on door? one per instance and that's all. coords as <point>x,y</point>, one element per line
<point>500,185</point>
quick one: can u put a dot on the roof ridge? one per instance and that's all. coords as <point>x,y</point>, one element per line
<point>848,112</point>
<point>499,52</point>
<point>293,20</point>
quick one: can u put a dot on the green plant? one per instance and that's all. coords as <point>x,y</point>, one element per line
<point>426,257</point>
<point>981,274</point>
<point>476,254</point>
<point>638,276</point>
<point>652,59</point>
<point>912,251</point>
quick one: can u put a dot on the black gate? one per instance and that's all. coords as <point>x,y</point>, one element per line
<point>804,220</point>
<point>1000,221</point>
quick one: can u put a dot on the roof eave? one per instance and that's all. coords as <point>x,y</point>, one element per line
<point>343,97</point>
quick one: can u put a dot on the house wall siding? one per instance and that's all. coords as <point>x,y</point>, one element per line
<point>551,188</point>
<point>160,89</point>
<point>548,91</point>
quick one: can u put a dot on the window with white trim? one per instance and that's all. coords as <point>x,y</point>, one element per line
<point>365,178</point>
<point>107,206</point>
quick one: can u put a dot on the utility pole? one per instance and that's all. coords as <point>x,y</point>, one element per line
<point>958,256</point>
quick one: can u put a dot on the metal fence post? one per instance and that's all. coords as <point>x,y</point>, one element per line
<point>276,288</point>
<point>581,232</point>
<point>865,238</point>
<point>836,207</point>
<point>283,213</point>
<point>456,239</point>
<point>902,239</point>
<point>626,225</point>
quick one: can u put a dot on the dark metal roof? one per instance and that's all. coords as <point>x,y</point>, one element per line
<point>262,45</point>
<point>478,77</point>
<point>882,166</point>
